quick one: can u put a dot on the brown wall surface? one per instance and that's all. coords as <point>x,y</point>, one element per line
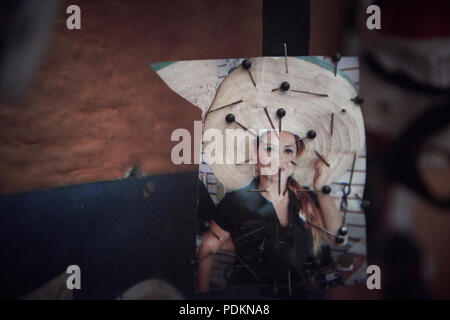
<point>95,107</point>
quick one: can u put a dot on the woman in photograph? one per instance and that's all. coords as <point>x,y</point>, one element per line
<point>275,220</point>
<point>274,225</point>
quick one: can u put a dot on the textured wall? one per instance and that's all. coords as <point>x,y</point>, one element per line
<point>95,108</point>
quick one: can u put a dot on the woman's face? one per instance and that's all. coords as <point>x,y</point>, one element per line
<point>277,153</point>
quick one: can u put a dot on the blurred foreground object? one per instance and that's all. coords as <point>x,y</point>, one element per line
<point>153,289</point>
<point>405,77</point>
<point>24,33</point>
<point>406,83</point>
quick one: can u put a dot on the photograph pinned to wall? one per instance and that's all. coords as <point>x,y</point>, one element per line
<point>283,165</point>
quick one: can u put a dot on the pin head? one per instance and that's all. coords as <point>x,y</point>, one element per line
<point>336,57</point>
<point>365,204</point>
<point>246,64</point>
<point>339,239</point>
<point>343,231</point>
<point>311,134</point>
<point>230,118</point>
<point>358,100</point>
<point>326,189</point>
<point>281,113</point>
<point>285,86</point>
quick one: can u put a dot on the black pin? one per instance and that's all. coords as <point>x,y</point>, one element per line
<point>332,124</point>
<point>353,169</point>
<point>358,100</point>
<point>227,105</point>
<point>311,134</point>
<point>270,120</point>
<point>268,117</point>
<point>313,93</point>
<point>246,64</point>
<point>285,86</point>
<point>280,113</point>
<point>346,191</point>
<point>335,58</point>
<point>322,158</point>
<point>365,204</point>
<point>215,235</point>
<point>320,228</point>
<point>307,189</point>
<point>339,239</point>
<point>286,187</point>
<point>230,118</point>
<point>326,189</point>
<point>343,231</point>
<point>245,236</point>
<point>279,181</point>
<point>285,57</point>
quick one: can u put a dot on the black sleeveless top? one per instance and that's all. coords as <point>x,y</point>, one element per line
<point>262,245</point>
